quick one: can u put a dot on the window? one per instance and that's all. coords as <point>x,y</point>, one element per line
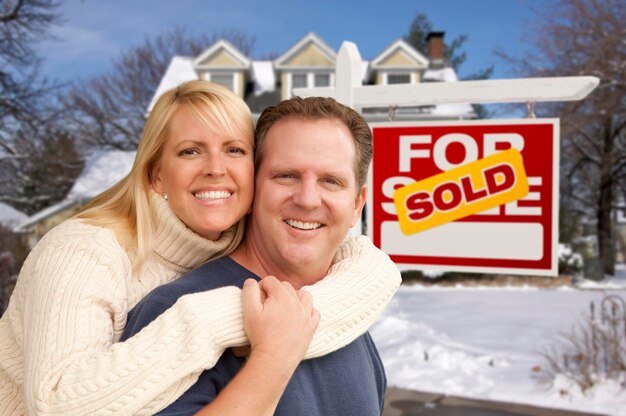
<point>223,79</point>
<point>398,78</point>
<point>322,80</point>
<point>309,80</point>
<point>298,81</point>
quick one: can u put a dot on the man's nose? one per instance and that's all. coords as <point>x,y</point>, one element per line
<point>307,195</point>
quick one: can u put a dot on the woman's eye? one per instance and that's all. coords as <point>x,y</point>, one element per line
<point>237,151</point>
<point>188,152</point>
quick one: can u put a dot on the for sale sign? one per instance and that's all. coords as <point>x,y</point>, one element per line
<point>479,196</point>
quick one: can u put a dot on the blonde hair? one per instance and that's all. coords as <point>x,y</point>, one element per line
<point>125,207</point>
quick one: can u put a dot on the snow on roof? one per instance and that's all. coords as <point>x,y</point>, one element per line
<point>103,169</point>
<point>9,216</point>
<point>264,76</point>
<point>179,70</point>
<point>444,74</point>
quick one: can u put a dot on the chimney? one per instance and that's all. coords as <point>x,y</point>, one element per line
<point>436,49</point>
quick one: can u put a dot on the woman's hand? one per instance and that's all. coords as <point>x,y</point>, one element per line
<point>278,320</point>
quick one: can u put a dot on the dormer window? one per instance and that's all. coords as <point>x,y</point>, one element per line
<point>309,63</point>
<point>400,63</point>
<point>223,64</point>
<point>398,78</point>
<point>227,80</point>
<point>322,80</point>
<point>299,81</point>
<point>309,79</point>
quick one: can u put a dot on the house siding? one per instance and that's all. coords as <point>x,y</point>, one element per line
<point>222,58</point>
<point>311,56</point>
<point>398,58</point>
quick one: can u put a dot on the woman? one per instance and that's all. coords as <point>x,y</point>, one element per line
<point>58,338</point>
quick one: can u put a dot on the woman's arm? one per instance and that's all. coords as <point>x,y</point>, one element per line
<point>351,298</point>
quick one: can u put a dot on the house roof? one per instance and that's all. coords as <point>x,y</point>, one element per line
<point>263,74</point>
<point>9,216</point>
<point>309,39</point>
<point>178,71</point>
<point>102,170</point>
<point>239,59</point>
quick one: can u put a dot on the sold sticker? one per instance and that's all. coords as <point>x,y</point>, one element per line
<point>460,192</point>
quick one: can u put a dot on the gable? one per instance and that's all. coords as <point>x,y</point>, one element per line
<point>310,51</point>
<point>221,58</point>
<point>398,58</point>
<point>310,55</point>
<point>400,55</point>
<point>221,55</point>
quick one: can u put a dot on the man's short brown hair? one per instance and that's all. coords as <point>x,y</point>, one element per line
<point>319,108</point>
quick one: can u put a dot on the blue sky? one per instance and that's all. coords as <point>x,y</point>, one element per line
<point>95,31</point>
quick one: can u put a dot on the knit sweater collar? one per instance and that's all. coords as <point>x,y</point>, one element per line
<point>179,246</point>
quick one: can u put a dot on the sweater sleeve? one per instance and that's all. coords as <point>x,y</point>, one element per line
<point>353,295</point>
<point>76,302</point>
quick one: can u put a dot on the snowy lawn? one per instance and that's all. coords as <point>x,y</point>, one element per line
<point>484,342</point>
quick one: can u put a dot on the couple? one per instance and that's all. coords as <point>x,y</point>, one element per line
<point>63,342</point>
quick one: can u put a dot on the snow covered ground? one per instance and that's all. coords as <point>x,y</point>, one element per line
<point>484,342</point>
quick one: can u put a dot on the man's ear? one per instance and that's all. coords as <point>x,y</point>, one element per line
<point>359,202</point>
<point>155,179</point>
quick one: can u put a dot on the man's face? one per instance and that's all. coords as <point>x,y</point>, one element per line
<point>306,196</point>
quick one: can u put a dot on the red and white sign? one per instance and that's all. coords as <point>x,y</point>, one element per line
<point>520,237</point>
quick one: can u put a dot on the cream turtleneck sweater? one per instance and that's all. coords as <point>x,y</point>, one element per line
<point>59,349</point>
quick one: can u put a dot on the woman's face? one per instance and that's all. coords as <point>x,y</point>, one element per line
<point>208,178</point>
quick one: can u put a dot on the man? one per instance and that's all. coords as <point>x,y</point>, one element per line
<point>311,165</point>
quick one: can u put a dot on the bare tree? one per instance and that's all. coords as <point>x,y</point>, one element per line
<point>26,116</point>
<point>22,24</point>
<point>587,37</point>
<point>109,110</point>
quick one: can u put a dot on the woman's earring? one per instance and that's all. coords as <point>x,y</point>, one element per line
<point>164,195</point>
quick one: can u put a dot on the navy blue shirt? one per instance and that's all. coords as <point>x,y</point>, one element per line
<point>349,381</point>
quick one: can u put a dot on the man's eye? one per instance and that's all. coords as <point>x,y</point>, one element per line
<point>332,181</point>
<point>285,176</point>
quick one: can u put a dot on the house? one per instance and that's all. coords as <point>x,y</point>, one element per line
<point>310,62</point>
<point>102,170</point>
